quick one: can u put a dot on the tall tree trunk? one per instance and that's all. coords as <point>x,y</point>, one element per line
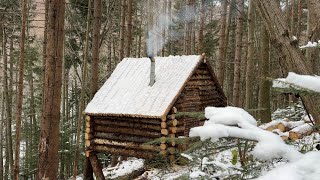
<point>129,28</point>
<point>264,85</point>
<point>201,27</point>
<point>20,89</point>
<point>88,172</point>
<point>1,135</point>
<point>299,18</point>
<point>250,56</point>
<point>222,43</point>
<point>237,60</point>
<point>95,47</point>
<point>48,162</point>
<point>293,17</point>
<point>281,37</point>
<point>122,29</point>
<point>8,107</point>
<point>170,46</point>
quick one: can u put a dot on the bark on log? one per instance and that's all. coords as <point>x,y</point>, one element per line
<point>127,119</point>
<point>124,152</point>
<point>96,166</point>
<point>129,124</point>
<point>122,137</point>
<point>130,131</point>
<point>125,144</point>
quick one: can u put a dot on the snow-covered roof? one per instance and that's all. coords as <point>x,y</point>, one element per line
<point>127,91</point>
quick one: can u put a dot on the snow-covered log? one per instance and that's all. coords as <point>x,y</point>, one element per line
<point>298,132</point>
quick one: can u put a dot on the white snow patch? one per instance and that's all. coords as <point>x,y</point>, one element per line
<point>123,168</point>
<point>196,174</point>
<point>190,158</point>
<point>310,45</point>
<point>300,81</point>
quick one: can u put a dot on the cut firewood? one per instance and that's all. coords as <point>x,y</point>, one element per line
<point>284,138</point>
<point>281,127</point>
<point>300,131</point>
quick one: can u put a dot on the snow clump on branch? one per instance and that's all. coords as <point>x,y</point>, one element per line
<point>236,122</point>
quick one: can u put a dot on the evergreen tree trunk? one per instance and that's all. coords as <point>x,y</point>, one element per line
<point>237,60</point>
<point>95,47</point>
<point>48,162</point>
<point>264,85</point>
<point>222,43</point>
<point>129,28</point>
<point>122,29</point>
<point>8,109</point>
<point>20,89</point>
<point>201,28</point>
<point>1,135</point>
<point>88,172</point>
<point>250,56</point>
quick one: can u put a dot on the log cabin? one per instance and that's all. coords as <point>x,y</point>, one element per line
<point>128,111</point>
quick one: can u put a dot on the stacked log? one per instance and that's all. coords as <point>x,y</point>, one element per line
<point>88,135</point>
<point>289,130</point>
<point>172,123</point>
<point>124,136</point>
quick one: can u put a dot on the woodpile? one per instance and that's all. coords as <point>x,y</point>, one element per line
<point>289,130</point>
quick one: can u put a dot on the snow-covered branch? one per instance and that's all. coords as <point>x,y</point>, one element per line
<point>236,122</point>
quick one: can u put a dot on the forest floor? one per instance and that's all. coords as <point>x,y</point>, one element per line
<point>219,160</point>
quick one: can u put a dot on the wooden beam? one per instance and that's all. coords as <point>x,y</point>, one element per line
<point>125,152</point>
<point>96,166</point>
<point>125,144</point>
<point>131,131</point>
<point>129,124</point>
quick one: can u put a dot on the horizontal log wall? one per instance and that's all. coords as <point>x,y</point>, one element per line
<point>123,135</point>
<point>200,92</point>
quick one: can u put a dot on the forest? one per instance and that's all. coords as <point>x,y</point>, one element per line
<point>263,59</point>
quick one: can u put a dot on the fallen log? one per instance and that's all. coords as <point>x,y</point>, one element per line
<point>286,126</point>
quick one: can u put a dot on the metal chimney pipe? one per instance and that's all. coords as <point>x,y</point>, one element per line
<point>152,71</point>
